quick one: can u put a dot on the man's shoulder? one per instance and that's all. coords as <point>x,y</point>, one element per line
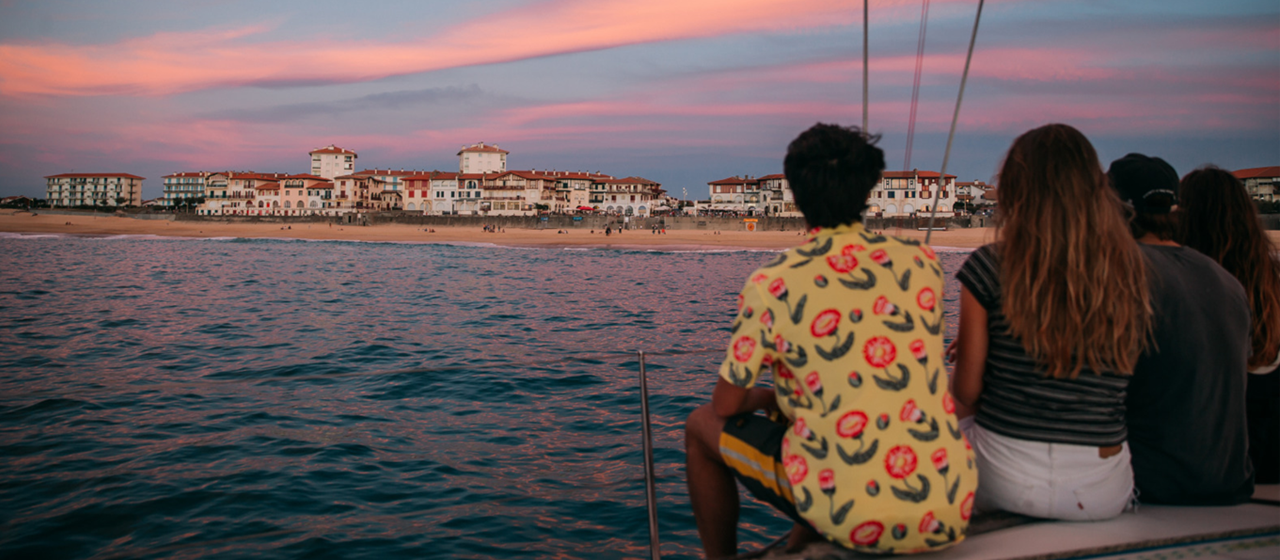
<point>1193,268</point>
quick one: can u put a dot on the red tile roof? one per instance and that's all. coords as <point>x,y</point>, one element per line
<point>388,172</point>
<point>331,149</point>
<point>526,175</point>
<point>127,175</point>
<point>733,181</point>
<point>307,176</point>
<point>255,175</point>
<point>187,174</point>
<point>773,176</point>
<point>482,147</point>
<point>429,175</point>
<point>913,174</point>
<point>268,187</point>
<point>1257,172</point>
<point>576,175</point>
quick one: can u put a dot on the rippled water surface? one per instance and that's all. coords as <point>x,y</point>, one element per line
<point>288,399</point>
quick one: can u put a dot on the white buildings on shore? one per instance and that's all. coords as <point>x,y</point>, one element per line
<point>767,195</point>
<point>482,158</point>
<point>482,186</point>
<point>332,161</point>
<point>93,189</point>
<point>908,193</point>
<point>1262,183</point>
<point>898,194</point>
<point>183,189</point>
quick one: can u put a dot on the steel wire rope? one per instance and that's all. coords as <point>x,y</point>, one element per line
<point>915,84</point>
<point>866,29</point>
<point>946,155</point>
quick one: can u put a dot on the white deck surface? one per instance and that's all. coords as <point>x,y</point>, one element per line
<point>1150,523</point>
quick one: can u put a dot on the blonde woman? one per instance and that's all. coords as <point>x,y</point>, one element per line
<point>1052,319</point>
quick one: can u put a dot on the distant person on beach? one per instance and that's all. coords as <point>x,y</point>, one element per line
<point>1052,319</point>
<point>857,436</point>
<point>1219,220</point>
<point>1186,405</point>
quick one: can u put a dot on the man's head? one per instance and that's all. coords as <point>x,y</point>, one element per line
<point>831,170</point>
<point>1149,187</point>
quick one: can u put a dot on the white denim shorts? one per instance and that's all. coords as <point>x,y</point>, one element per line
<point>1048,480</point>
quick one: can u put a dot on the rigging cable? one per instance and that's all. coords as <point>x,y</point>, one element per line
<point>915,84</point>
<point>865,29</point>
<point>946,155</point>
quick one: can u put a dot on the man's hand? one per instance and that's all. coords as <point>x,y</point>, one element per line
<point>763,398</point>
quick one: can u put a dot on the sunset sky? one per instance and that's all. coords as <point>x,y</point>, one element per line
<point>678,91</point>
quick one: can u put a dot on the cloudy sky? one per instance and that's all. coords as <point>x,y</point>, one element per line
<point>678,91</point>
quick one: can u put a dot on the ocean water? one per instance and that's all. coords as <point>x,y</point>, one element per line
<point>230,398</point>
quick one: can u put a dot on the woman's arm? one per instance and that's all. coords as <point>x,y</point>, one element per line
<point>971,350</point>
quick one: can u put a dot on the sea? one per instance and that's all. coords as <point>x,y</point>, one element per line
<point>257,398</point>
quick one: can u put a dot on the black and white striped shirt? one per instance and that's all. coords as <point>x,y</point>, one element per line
<point>1019,399</point>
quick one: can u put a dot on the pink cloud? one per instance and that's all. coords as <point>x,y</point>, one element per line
<point>167,63</point>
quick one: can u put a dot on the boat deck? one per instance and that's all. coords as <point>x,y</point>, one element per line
<point>1244,532</point>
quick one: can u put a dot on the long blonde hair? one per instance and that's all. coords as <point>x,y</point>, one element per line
<point>1073,278</point>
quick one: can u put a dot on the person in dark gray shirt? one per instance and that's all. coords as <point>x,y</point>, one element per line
<point>1186,402</point>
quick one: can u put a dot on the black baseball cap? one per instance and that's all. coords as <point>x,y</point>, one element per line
<point>1148,184</point>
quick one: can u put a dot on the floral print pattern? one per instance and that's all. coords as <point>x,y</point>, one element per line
<point>849,325</point>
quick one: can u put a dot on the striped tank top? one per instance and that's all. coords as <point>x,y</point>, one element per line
<point>1019,399</point>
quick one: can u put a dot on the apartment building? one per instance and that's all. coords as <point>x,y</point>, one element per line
<point>908,193</point>
<point>573,189</point>
<point>229,193</point>
<point>183,188</point>
<point>93,189</point>
<point>482,158</point>
<point>769,194</point>
<point>629,196</point>
<point>1262,183</point>
<point>332,161</point>
<point>444,193</point>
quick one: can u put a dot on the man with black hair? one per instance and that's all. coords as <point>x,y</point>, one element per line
<point>1185,407</point>
<point>859,443</point>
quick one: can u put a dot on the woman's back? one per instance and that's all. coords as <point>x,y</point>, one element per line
<point>1019,397</point>
<point>1052,320</point>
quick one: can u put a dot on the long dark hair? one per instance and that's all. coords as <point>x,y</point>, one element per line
<point>1219,220</point>
<point>1073,279</point>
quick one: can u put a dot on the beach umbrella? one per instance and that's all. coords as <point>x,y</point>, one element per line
<point>586,208</point>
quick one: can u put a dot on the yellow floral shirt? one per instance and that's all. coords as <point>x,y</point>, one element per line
<point>851,325</point>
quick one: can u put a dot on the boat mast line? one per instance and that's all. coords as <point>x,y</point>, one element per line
<point>865,30</point>
<point>655,551</point>
<point>915,85</point>
<point>946,155</point>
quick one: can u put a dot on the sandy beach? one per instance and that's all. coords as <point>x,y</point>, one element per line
<point>14,221</point>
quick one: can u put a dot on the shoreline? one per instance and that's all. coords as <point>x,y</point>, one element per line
<point>23,223</point>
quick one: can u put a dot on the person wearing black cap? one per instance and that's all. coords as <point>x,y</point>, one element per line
<point>1186,401</point>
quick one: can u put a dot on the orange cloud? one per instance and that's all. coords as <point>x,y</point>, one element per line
<point>167,63</point>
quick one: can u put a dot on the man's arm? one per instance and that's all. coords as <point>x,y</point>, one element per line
<point>730,400</point>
